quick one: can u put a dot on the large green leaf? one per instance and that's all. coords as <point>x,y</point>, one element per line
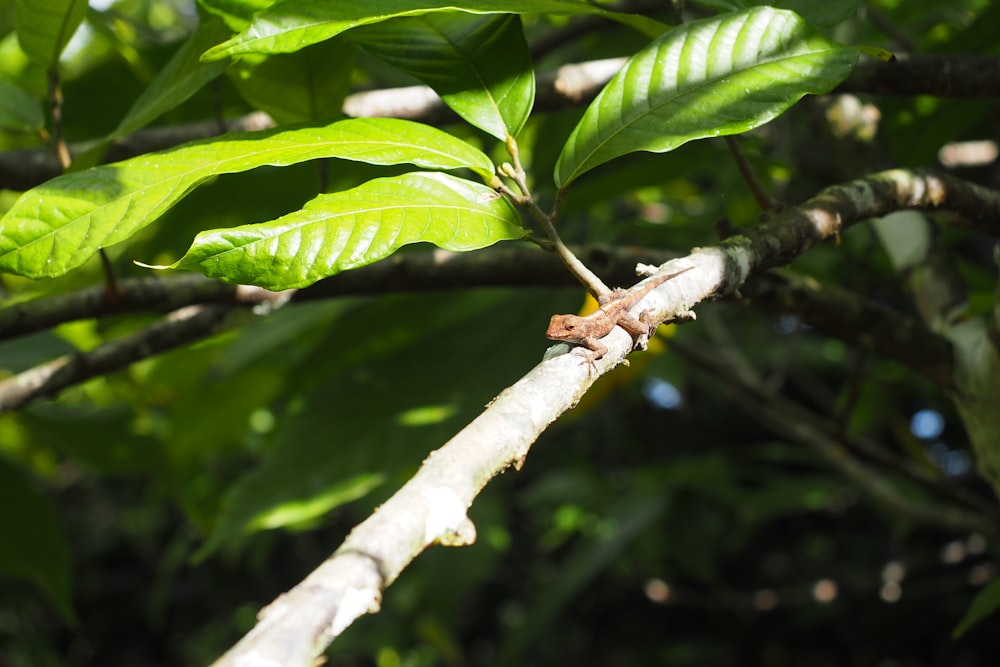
<point>345,230</point>
<point>59,225</point>
<point>19,111</point>
<point>181,78</point>
<point>479,65</point>
<point>308,85</point>
<point>289,25</point>
<point>33,547</point>
<point>707,78</point>
<point>44,27</point>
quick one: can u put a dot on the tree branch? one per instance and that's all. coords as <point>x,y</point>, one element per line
<point>858,321</point>
<point>151,294</point>
<point>805,427</point>
<point>429,509</point>
<point>570,85</point>
<point>179,328</point>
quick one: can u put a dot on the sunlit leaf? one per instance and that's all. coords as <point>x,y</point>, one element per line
<point>290,25</point>
<point>479,65</point>
<point>33,547</point>
<point>345,230</point>
<point>707,78</point>
<point>19,111</point>
<point>59,225</point>
<point>181,78</point>
<point>44,27</point>
<point>308,85</point>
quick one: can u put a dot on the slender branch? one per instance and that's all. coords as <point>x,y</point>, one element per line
<point>805,427</point>
<point>515,172</point>
<point>136,295</point>
<point>179,328</point>
<point>858,321</point>
<point>757,189</point>
<point>55,107</point>
<point>429,509</point>
<point>953,75</point>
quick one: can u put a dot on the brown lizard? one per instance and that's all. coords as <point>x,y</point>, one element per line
<point>587,330</point>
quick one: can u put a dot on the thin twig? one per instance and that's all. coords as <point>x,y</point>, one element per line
<point>805,427</point>
<point>516,172</point>
<point>179,328</point>
<point>55,106</point>
<point>757,189</point>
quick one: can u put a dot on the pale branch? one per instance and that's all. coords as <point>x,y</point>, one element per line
<point>429,509</point>
<point>569,86</point>
<point>805,427</point>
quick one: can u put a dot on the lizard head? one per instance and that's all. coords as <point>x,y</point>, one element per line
<point>565,327</point>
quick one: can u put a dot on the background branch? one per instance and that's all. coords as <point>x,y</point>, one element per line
<point>178,328</point>
<point>807,428</point>
<point>570,85</point>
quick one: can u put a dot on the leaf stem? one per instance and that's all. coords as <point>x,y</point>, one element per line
<point>515,172</point>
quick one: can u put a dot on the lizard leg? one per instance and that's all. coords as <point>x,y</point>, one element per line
<point>641,328</point>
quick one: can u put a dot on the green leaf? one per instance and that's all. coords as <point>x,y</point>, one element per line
<point>290,25</point>
<point>44,27</point>
<point>345,230</point>
<point>19,111</point>
<point>181,78</point>
<point>33,547</point>
<point>479,65</point>
<point>59,225</point>
<point>708,78</point>
<point>309,85</point>
<point>985,603</point>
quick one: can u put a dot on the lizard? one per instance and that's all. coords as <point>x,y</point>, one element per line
<point>587,330</point>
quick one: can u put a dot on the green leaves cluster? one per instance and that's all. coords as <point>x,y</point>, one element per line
<point>717,76</point>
